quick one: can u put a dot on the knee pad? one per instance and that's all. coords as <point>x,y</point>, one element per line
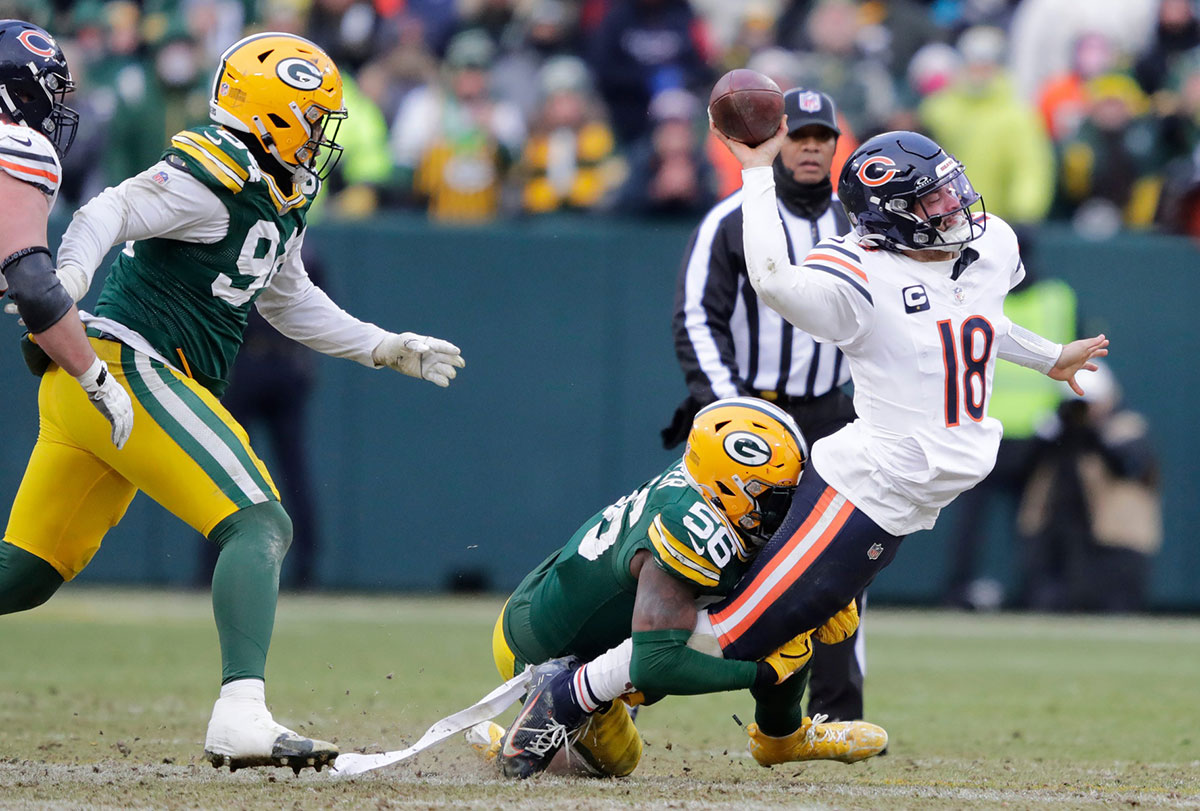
<point>610,743</point>
<point>26,581</point>
<point>266,526</point>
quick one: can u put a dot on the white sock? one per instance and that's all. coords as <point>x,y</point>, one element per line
<point>245,689</point>
<point>604,678</point>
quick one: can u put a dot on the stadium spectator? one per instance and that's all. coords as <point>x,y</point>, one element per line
<point>642,48</point>
<point>1177,31</point>
<point>1043,33</point>
<point>1110,167</point>
<point>452,142</point>
<point>545,33</point>
<point>1091,513</point>
<point>668,174</point>
<point>836,62</point>
<point>569,161</point>
<point>980,121</point>
<point>346,29</point>
<point>1063,99</point>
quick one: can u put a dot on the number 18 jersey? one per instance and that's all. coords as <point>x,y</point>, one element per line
<point>580,599</point>
<point>922,362</point>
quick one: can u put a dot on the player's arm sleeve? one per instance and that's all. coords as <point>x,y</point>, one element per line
<point>1026,348</point>
<point>163,201</point>
<point>303,312</point>
<point>827,299</point>
<point>705,298</point>
<point>41,300</point>
<point>663,663</point>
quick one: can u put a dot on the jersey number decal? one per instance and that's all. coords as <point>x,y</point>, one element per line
<point>701,522</point>
<point>604,534</point>
<point>260,258</point>
<point>976,341</point>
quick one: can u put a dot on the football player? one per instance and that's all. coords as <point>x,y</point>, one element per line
<point>914,298</point>
<point>215,227</point>
<point>36,130</point>
<point>623,593</point>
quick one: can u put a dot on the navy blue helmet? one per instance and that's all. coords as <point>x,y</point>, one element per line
<point>34,80</point>
<point>903,191</point>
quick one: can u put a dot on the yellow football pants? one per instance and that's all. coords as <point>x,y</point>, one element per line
<point>186,452</point>
<point>609,743</point>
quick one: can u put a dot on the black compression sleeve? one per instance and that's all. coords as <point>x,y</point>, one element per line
<point>34,286</point>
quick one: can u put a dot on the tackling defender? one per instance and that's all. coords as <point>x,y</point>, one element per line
<point>36,130</point>
<point>914,298</point>
<point>639,566</point>
<point>216,227</point>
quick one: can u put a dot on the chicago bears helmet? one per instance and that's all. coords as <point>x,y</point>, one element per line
<point>34,80</point>
<point>889,180</point>
<point>285,92</point>
<point>745,456</point>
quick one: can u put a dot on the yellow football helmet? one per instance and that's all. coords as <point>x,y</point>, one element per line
<point>285,91</point>
<point>745,456</point>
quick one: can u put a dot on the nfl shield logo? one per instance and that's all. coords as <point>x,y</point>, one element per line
<point>960,295</point>
<point>810,102</point>
<point>875,551</point>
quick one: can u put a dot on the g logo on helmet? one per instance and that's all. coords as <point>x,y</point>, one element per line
<point>749,449</point>
<point>297,73</point>
<point>872,172</point>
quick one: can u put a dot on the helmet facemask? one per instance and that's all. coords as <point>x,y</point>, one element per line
<point>321,144</point>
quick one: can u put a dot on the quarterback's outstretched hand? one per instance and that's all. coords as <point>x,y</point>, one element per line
<point>752,156</point>
<point>420,356</point>
<point>110,399</point>
<point>1077,356</point>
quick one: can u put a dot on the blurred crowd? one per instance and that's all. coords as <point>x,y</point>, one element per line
<point>476,109</point>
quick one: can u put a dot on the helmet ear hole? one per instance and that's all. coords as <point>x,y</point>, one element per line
<point>278,120</point>
<point>724,489</point>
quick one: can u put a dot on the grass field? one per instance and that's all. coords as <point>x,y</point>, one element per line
<point>104,697</point>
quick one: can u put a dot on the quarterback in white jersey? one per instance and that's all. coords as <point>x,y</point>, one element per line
<point>36,127</point>
<point>914,298</point>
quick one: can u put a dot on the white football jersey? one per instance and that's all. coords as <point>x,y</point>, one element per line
<point>922,340</point>
<point>28,155</point>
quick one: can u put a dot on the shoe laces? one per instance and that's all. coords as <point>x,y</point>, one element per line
<point>548,738</point>
<point>820,732</point>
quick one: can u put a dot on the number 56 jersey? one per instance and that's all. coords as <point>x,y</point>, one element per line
<point>922,358</point>
<point>580,599</point>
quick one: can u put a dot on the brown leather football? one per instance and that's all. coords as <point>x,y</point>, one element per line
<point>746,106</point>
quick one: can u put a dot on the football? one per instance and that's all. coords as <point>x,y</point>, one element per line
<point>746,106</point>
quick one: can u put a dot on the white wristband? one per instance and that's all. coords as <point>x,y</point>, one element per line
<point>94,376</point>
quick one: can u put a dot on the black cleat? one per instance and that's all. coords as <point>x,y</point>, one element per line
<point>538,732</point>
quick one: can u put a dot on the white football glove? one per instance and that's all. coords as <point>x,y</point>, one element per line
<point>110,399</point>
<point>420,356</point>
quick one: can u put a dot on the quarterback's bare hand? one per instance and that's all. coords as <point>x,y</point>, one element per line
<point>761,155</point>
<point>110,399</point>
<point>1076,356</point>
<point>420,356</point>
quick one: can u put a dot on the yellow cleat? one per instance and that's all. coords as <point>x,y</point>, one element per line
<point>486,738</point>
<point>843,741</point>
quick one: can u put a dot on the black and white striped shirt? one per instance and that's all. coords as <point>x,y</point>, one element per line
<point>729,343</point>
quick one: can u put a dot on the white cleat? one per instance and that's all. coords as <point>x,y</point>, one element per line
<point>242,734</point>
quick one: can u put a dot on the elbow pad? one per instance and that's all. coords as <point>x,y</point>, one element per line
<point>33,285</point>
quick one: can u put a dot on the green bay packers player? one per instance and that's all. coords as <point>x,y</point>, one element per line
<point>36,130</point>
<point>214,228</point>
<point>623,594</point>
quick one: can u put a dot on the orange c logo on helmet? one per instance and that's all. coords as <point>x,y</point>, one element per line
<point>46,48</point>
<point>882,175</point>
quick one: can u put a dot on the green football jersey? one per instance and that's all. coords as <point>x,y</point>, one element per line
<point>191,300</point>
<point>580,599</point>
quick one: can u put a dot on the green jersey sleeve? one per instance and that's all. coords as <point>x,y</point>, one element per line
<point>214,157</point>
<point>695,544</point>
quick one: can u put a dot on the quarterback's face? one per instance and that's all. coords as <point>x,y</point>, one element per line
<point>939,203</point>
<point>808,153</point>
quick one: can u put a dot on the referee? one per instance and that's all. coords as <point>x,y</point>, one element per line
<point>729,344</point>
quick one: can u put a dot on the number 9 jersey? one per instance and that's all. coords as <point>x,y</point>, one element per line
<point>580,599</point>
